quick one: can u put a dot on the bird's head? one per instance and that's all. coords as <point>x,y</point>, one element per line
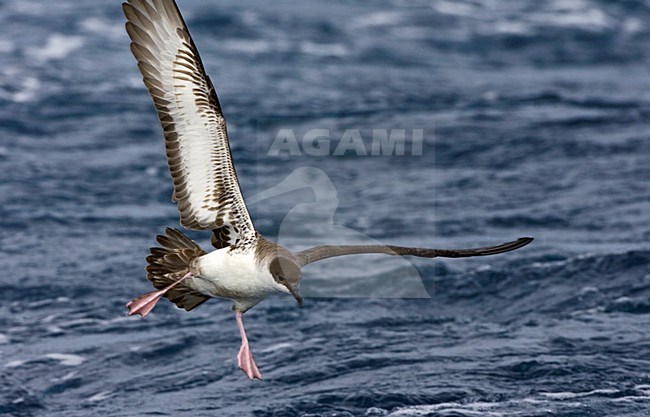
<point>286,273</point>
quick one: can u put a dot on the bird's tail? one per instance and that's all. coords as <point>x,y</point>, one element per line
<point>171,262</point>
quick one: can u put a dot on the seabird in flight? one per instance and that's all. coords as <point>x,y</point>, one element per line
<point>245,267</point>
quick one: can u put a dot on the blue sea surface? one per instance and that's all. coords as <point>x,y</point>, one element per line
<point>537,123</point>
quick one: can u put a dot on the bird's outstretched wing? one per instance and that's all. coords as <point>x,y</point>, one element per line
<point>329,251</point>
<point>205,183</point>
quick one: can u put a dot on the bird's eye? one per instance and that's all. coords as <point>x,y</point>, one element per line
<point>280,278</point>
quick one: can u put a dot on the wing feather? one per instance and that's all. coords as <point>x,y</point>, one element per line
<point>196,140</point>
<point>329,251</point>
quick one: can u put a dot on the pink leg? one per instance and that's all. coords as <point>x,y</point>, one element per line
<point>143,304</point>
<point>245,357</point>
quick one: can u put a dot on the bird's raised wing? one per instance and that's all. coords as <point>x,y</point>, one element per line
<point>205,183</point>
<point>329,251</point>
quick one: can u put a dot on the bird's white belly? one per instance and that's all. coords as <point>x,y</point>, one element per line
<point>235,276</point>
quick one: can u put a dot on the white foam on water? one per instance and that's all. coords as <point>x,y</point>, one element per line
<point>571,395</point>
<point>378,19</point>
<point>119,319</point>
<point>589,290</point>
<point>534,401</point>
<point>152,171</point>
<point>454,8</point>
<point>512,27</point>
<point>631,398</point>
<point>50,318</point>
<point>55,329</point>
<point>478,409</point>
<point>29,87</point>
<point>586,19</point>
<point>323,49</point>
<point>15,364</point>
<point>103,27</point>
<point>278,346</point>
<point>645,390</point>
<point>66,359</point>
<point>65,377</point>
<point>57,46</point>
<point>100,396</point>
<point>4,339</point>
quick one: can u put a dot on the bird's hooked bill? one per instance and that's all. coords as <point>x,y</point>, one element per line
<point>295,294</point>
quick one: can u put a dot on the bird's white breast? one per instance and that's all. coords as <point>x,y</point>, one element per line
<point>237,276</point>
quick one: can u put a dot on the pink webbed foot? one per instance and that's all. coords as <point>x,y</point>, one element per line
<point>143,304</point>
<point>247,363</point>
<point>245,357</point>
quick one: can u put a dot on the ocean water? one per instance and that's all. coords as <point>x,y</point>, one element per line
<point>535,117</point>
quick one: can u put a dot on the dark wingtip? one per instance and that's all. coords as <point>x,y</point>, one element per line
<point>520,243</point>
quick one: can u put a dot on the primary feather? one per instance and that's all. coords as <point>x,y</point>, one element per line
<point>196,140</point>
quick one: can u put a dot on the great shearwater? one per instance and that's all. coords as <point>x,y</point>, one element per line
<point>245,267</point>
